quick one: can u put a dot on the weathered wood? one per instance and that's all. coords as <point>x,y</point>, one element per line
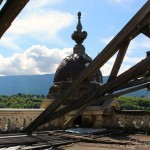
<point>146,31</point>
<point>130,90</point>
<point>89,98</point>
<point>133,83</point>
<point>9,12</point>
<point>118,61</point>
<point>37,141</point>
<point>95,138</point>
<point>97,63</point>
<point>141,26</point>
<point>71,119</point>
<point>48,145</point>
<point>1,1</point>
<point>98,99</point>
<point>121,79</point>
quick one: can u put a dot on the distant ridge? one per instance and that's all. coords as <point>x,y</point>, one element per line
<point>39,84</point>
<point>30,84</point>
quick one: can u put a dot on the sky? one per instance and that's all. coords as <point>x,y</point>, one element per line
<point>40,37</point>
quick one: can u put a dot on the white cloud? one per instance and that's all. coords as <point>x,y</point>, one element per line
<point>138,44</point>
<point>116,1</point>
<point>38,24</point>
<point>10,42</point>
<point>39,4</point>
<point>48,23</point>
<point>42,60</point>
<point>106,69</point>
<point>35,60</point>
<point>128,62</point>
<point>119,1</point>
<point>106,40</point>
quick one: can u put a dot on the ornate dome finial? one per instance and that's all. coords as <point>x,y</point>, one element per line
<point>79,26</point>
<point>79,36</point>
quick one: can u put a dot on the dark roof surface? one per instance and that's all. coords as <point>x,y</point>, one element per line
<point>70,68</point>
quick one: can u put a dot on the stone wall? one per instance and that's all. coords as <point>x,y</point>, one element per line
<point>15,120</point>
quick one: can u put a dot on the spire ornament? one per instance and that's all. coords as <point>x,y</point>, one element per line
<point>79,36</point>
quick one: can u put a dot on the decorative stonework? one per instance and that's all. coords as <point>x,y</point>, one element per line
<point>138,122</point>
<point>15,120</point>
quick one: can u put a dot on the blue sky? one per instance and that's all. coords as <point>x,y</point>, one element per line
<point>40,37</point>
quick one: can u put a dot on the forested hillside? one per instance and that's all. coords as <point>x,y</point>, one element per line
<point>134,103</point>
<point>21,101</point>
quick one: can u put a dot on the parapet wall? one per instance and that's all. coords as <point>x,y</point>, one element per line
<point>15,120</point>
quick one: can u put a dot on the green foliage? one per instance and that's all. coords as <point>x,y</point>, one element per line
<point>21,101</point>
<point>34,101</point>
<point>134,103</point>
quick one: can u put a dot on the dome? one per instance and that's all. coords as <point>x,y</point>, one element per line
<point>70,68</point>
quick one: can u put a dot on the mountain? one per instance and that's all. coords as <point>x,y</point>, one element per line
<point>30,84</point>
<point>39,84</point>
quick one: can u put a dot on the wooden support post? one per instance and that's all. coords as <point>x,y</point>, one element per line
<point>97,63</point>
<point>118,61</point>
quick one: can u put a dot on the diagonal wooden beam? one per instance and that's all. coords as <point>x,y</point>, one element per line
<point>80,110</point>
<point>133,83</point>
<point>99,92</point>
<point>118,61</point>
<point>9,12</point>
<point>97,99</point>
<point>1,1</point>
<point>97,63</point>
<point>146,31</point>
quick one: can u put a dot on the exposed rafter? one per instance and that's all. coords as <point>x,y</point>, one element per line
<point>9,12</point>
<point>1,1</point>
<point>133,28</point>
<point>146,31</point>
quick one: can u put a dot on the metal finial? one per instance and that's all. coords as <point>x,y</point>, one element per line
<point>79,26</point>
<point>79,36</point>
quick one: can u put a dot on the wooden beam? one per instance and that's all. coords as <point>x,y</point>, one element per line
<point>118,61</point>
<point>71,119</point>
<point>1,1</point>
<point>146,31</point>
<point>141,25</point>
<point>130,90</point>
<point>98,99</point>
<point>133,83</point>
<point>9,12</point>
<point>99,93</point>
<point>94,66</point>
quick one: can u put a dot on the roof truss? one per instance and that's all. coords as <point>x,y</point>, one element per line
<point>138,24</point>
